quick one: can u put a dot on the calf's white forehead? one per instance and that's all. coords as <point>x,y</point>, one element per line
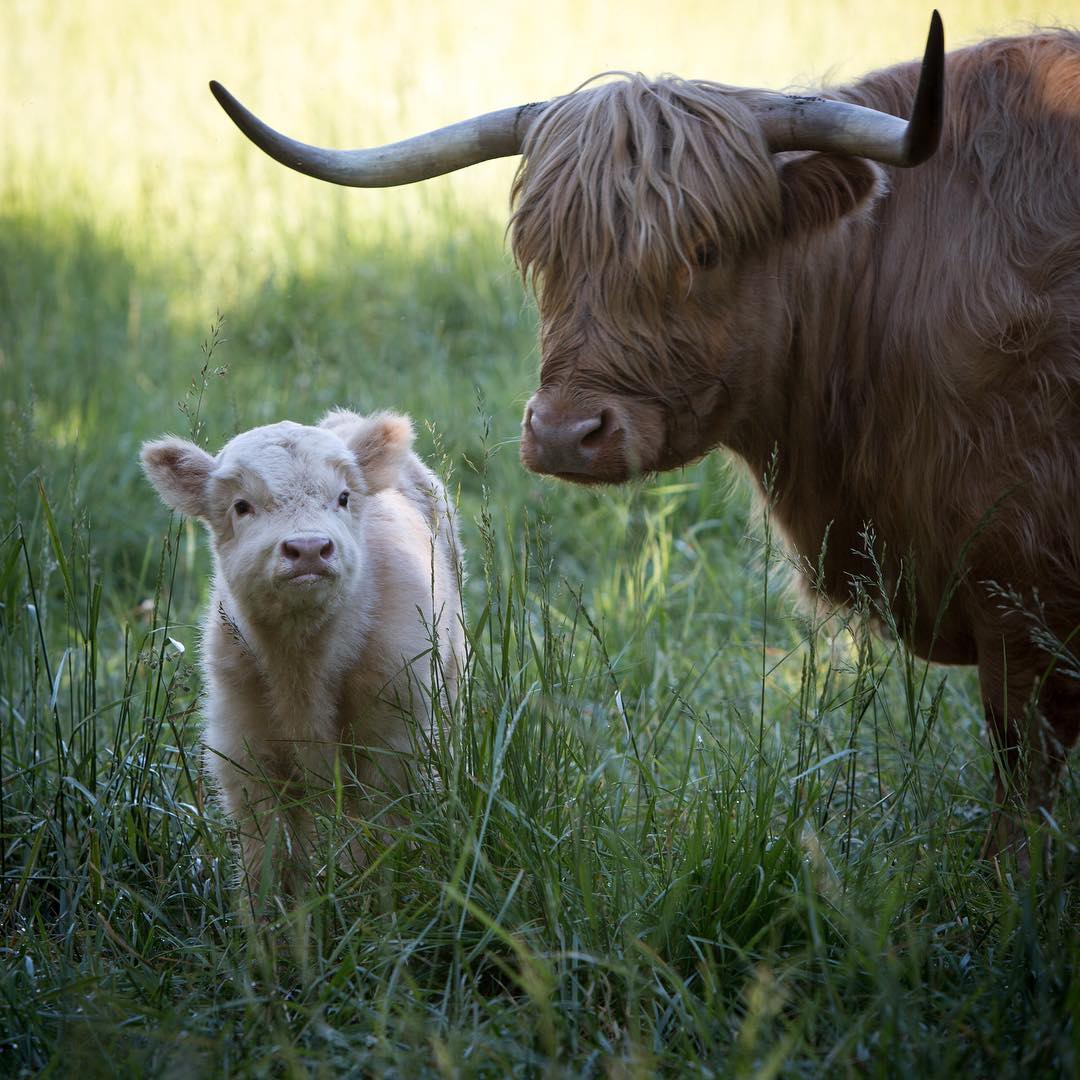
<point>283,455</point>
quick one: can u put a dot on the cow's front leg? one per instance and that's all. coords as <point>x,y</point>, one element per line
<point>1032,713</point>
<point>270,810</point>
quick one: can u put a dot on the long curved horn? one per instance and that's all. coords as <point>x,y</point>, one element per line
<point>809,123</point>
<point>493,135</point>
<point>789,123</point>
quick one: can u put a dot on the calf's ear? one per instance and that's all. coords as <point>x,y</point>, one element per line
<point>818,190</point>
<point>179,470</point>
<point>381,443</point>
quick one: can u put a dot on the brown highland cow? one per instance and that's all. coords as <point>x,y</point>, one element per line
<point>726,267</point>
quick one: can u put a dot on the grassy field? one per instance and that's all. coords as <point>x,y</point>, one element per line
<point>681,830</point>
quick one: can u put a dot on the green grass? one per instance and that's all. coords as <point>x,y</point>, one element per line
<point>680,829</point>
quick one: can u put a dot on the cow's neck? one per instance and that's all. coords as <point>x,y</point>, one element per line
<point>301,664</point>
<point>806,432</point>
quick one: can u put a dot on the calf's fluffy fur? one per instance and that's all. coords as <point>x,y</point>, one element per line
<point>334,620</point>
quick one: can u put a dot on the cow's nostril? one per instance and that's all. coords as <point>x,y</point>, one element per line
<point>290,549</point>
<point>599,431</point>
<point>327,550</point>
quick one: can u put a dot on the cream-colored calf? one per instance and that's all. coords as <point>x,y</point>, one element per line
<point>335,616</point>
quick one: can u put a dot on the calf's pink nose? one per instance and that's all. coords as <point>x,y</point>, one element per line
<point>308,552</point>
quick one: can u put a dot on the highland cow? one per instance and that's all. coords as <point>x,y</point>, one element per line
<point>334,621</point>
<point>719,267</point>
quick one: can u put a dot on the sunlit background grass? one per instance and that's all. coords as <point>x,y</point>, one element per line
<point>705,838</point>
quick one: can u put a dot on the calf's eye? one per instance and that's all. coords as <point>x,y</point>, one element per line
<point>242,507</point>
<point>343,499</point>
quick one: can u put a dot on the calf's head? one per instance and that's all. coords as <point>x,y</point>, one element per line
<point>284,505</point>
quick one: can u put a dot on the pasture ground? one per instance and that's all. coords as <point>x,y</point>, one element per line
<point>680,830</point>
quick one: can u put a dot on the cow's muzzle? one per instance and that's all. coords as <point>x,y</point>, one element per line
<point>572,443</point>
<point>305,559</point>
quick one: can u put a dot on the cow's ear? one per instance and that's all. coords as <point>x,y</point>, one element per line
<point>381,443</point>
<point>818,190</point>
<point>179,470</point>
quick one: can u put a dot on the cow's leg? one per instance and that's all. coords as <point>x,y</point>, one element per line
<point>1032,716</point>
<point>379,779</point>
<point>277,838</point>
<point>272,817</point>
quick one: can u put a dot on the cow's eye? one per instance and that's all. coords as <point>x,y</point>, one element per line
<point>242,507</point>
<point>706,256</point>
<point>343,499</point>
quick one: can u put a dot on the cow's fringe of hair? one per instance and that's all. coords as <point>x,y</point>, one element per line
<point>689,158</point>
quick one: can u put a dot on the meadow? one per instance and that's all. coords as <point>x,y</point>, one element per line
<point>679,828</point>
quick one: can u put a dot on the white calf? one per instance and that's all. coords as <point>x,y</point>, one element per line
<point>335,616</point>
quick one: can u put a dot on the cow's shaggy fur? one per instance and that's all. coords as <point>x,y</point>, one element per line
<point>335,617</point>
<point>907,342</point>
